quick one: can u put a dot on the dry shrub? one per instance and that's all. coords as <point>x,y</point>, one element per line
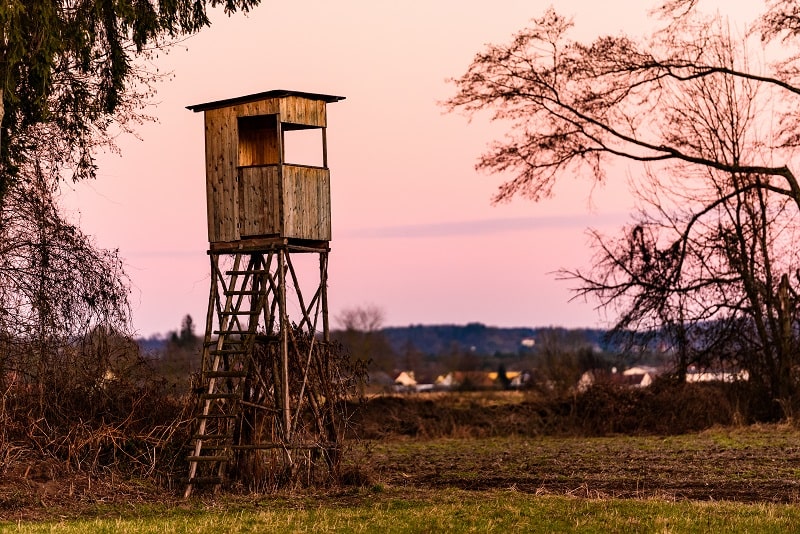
<point>106,410</point>
<point>74,391</point>
<point>445,415</point>
<point>664,408</point>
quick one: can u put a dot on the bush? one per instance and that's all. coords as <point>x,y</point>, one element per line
<point>106,410</point>
<point>666,407</point>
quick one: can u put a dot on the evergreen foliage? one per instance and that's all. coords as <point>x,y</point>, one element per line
<point>67,71</point>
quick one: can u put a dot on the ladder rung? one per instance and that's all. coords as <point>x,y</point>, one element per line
<point>251,313</point>
<point>204,437</point>
<point>210,447</point>
<point>227,342</point>
<point>223,374</point>
<point>201,481</point>
<point>218,332</point>
<point>207,396</point>
<point>216,416</point>
<point>247,271</point>
<point>227,351</point>
<point>207,458</point>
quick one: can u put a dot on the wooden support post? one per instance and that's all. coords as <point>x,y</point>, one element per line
<point>251,367</point>
<point>324,148</point>
<point>284,326</point>
<point>323,286</point>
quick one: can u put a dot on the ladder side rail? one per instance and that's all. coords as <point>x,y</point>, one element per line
<point>222,339</point>
<point>223,320</point>
<point>212,299</point>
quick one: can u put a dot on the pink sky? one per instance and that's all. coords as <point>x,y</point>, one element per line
<point>414,231</point>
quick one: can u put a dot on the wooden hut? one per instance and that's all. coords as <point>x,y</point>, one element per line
<point>254,194</point>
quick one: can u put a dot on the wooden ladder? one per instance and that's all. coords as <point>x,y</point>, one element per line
<point>226,357</point>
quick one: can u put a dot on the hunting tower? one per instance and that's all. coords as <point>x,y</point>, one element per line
<point>259,411</point>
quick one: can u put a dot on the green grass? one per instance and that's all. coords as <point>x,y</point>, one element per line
<point>398,510</point>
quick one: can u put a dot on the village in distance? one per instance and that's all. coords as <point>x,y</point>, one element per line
<point>472,357</point>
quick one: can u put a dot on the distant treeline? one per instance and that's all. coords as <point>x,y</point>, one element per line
<point>433,350</point>
<point>432,340</point>
<point>487,340</point>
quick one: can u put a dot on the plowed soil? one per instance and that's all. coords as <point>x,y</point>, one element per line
<point>752,464</point>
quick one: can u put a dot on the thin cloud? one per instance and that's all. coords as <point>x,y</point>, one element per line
<point>486,226</point>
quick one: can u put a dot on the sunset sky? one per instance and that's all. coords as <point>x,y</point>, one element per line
<point>414,230</point>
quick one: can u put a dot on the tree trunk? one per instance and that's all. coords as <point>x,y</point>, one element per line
<point>2,169</point>
<point>2,114</point>
<point>785,348</point>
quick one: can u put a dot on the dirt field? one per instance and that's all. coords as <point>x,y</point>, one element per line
<point>753,464</point>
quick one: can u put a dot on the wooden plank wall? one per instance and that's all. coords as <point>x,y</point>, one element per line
<point>306,202</point>
<point>300,110</point>
<point>224,156</point>
<point>259,201</point>
<point>221,161</point>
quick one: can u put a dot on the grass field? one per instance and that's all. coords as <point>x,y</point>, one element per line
<point>450,510</point>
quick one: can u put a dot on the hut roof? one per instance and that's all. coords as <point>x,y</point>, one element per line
<point>275,93</point>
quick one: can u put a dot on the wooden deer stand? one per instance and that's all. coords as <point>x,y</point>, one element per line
<point>262,412</point>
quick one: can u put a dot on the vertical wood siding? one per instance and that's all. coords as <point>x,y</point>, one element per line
<point>221,163</point>
<point>259,201</point>
<point>307,202</point>
<point>248,194</point>
<point>299,110</point>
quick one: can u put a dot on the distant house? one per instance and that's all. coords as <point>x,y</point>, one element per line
<point>406,382</point>
<point>466,379</point>
<point>522,379</point>
<point>637,380</point>
<point>641,370</point>
<point>445,381</point>
<point>511,375</point>
<point>588,379</point>
<point>405,378</point>
<point>634,379</point>
<point>696,375</point>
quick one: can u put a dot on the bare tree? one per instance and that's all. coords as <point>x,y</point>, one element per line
<point>367,318</point>
<point>360,333</point>
<point>709,258</point>
<point>55,285</point>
